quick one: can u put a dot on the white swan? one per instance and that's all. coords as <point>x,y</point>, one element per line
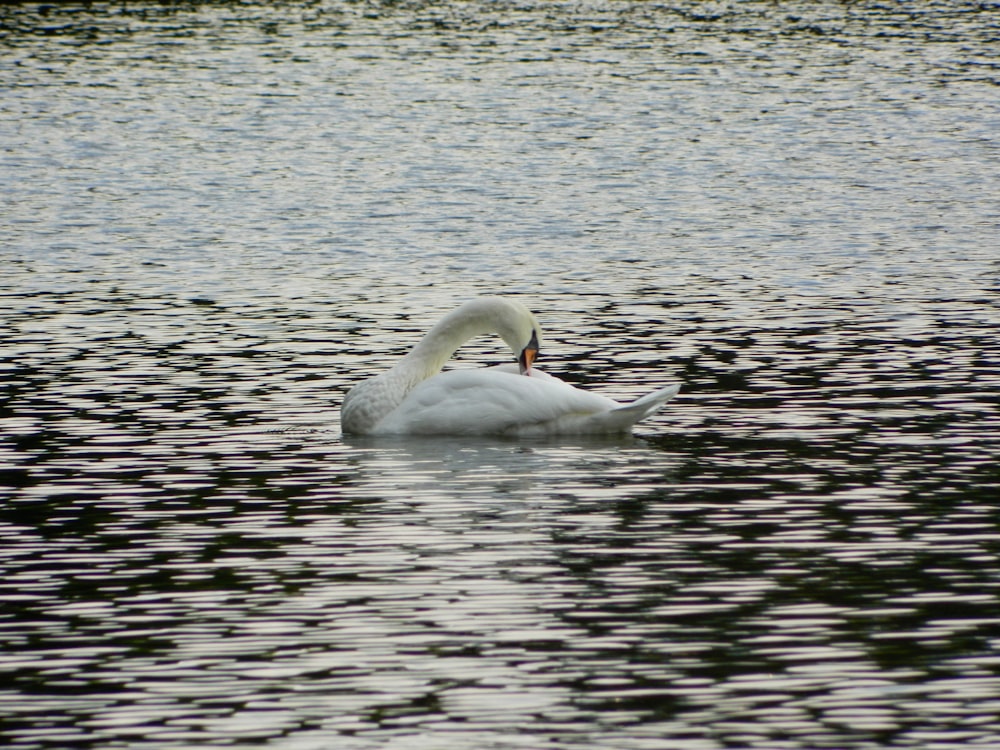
<point>415,398</point>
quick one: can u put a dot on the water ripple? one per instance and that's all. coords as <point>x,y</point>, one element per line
<point>219,216</point>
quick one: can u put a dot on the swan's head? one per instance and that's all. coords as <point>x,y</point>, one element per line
<point>514,322</point>
<point>528,354</point>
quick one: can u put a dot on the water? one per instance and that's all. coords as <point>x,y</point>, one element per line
<point>217,217</point>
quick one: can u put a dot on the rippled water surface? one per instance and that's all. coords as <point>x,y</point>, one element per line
<point>216,217</point>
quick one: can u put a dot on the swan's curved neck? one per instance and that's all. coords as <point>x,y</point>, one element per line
<point>439,343</point>
<point>511,320</point>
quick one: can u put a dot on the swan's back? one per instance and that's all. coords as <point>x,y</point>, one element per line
<point>489,401</point>
<point>499,401</point>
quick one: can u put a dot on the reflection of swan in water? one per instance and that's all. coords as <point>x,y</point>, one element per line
<point>415,398</point>
<point>459,475</point>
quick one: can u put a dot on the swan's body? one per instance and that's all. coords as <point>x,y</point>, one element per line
<point>415,398</point>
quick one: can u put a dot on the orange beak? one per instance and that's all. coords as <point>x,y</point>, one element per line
<point>528,355</point>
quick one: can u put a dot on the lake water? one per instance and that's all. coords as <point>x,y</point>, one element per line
<point>214,218</point>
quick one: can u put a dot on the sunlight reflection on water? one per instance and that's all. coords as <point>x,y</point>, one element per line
<point>218,217</point>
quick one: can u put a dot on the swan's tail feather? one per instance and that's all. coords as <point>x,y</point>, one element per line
<point>624,417</point>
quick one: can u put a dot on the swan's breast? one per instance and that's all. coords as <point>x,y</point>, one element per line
<point>367,403</point>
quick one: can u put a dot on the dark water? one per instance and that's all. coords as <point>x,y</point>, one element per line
<point>216,217</point>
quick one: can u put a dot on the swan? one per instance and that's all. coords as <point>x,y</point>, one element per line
<point>415,397</point>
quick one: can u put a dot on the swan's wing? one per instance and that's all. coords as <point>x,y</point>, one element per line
<point>491,401</point>
<point>623,417</point>
<point>616,417</point>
